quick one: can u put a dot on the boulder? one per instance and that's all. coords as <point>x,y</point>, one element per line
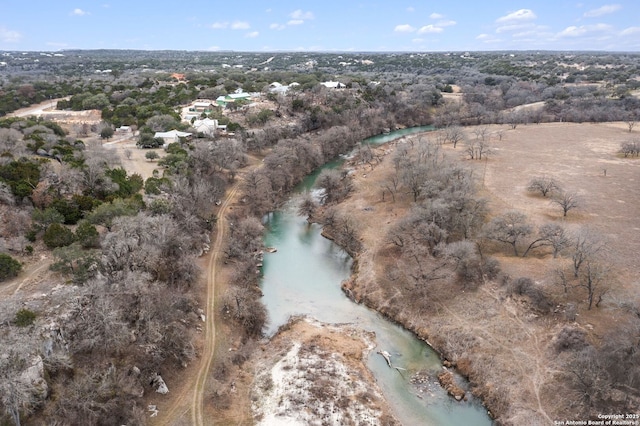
<point>158,383</point>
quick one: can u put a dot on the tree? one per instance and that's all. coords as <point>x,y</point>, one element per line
<point>87,235</point>
<point>307,206</point>
<point>151,155</point>
<point>9,267</point>
<point>630,149</point>
<point>335,186</point>
<point>552,235</point>
<point>47,216</point>
<point>106,132</point>
<point>509,228</point>
<point>58,235</point>
<point>586,246</point>
<point>594,280</point>
<point>566,201</point>
<point>543,184</point>
<point>453,134</point>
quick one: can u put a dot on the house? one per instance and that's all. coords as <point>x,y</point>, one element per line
<point>207,126</point>
<point>223,101</point>
<point>333,85</point>
<point>178,76</point>
<point>276,87</point>
<point>203,106</point>
<point>171,136</point>
<point>122,130</point>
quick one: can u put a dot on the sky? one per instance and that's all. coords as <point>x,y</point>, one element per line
<point>329,25</point>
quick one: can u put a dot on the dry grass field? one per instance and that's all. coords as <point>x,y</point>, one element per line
<point>504,345</point>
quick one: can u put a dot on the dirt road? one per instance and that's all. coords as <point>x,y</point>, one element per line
<point>192,397</point>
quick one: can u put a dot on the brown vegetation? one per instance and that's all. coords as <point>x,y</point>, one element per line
<point>503,333</point>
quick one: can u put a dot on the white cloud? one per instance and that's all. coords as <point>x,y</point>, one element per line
<point>436,16</point>
<point>79,12</point>
<point>301,15</point>
<point>9,36</point>
<point>404,28</point>
<point>411,9</point>
<point>252,34</point>
<point>417,40</point>
<point>295,22</point>
<point>276,26</point>
<point>236,25</point>
<point>447,23</point>
<point>214,48</point>
<point>574,31</point>
<point>604,10</point>
<point>430,29</point>
<point>518,15</point>
<point>630,31</point>
<point>482,36</point>
<point>240,25</point>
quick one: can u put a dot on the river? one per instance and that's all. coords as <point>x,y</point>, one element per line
<point>304,277</point>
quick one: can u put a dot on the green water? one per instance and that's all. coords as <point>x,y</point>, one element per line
<point>304,277</point>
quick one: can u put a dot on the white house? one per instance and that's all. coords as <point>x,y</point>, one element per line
<point>203,106</point>
<point>171,136</point>
<point>333,85</point>
<point>207,126</point>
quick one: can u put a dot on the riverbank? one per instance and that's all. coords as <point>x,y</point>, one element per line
<point>505,346</point>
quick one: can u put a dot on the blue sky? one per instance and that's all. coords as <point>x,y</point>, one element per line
<point>330,25</point>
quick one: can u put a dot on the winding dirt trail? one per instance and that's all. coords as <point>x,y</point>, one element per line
<point>192,398</point>
<point>197,409</point>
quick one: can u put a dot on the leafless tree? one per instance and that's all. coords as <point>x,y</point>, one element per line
<point>544,185</point>
<point>567,201</point>
<point>594,279</point>
<point>453,134</point>
<point>335,185</point>
<point>587,246</point>
<point>587,377</point>
<point>509,228</point>
<point>630,149</point>
<point>552,235</point>
<point>307,206</point>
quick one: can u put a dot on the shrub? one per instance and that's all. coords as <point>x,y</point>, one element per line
<point>9,267</point>
<point>58,235</point>
<point>24,318</point>
<point>570,339</point>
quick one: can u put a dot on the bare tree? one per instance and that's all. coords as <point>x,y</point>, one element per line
<point>594,280</point>
<point>586,246</point>
<point>414,177</point>
<point>307,206</point>
<point>335,185</point>
<point>509,228</point>
<point>630,149</point>
<point>543,184</point>
<point>566,201</point>
<point>453,134</point>
<point>552,235</point>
